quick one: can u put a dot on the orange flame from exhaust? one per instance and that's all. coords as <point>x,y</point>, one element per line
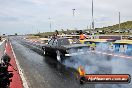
<point>81,71</point>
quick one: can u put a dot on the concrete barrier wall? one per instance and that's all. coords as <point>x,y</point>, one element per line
<point>2,49</point>
<point>110,37</point>
<point>123,48</point>
<point>109,46</point>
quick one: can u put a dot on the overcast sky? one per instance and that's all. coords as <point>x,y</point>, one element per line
<point>31,16</point>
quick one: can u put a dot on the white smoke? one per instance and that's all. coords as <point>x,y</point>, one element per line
<point>94,63</point>
<point>90,62</point>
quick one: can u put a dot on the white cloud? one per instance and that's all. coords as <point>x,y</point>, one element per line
<point>25,14</point>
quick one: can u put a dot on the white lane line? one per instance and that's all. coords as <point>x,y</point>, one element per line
<point>25,83</point>
<point>5,48</point>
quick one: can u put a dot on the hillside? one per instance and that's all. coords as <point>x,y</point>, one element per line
<point>125,25</point>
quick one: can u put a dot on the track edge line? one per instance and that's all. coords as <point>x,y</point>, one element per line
<point>24,82</point>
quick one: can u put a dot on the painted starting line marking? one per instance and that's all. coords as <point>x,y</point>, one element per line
<point>25,84</point>
<point>122,56</point>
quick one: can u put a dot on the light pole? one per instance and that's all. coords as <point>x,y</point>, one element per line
<point>119,21</point>
<point>73,12</point>
<point>36,26</point>
<point>92,16</point>
<point>50,23</point>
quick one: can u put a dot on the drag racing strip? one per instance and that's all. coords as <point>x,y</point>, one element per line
<point>46,72</point>
<point>112,54</point>
<point>25,84</point>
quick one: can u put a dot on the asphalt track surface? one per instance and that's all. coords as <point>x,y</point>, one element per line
<point>46,72</point>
